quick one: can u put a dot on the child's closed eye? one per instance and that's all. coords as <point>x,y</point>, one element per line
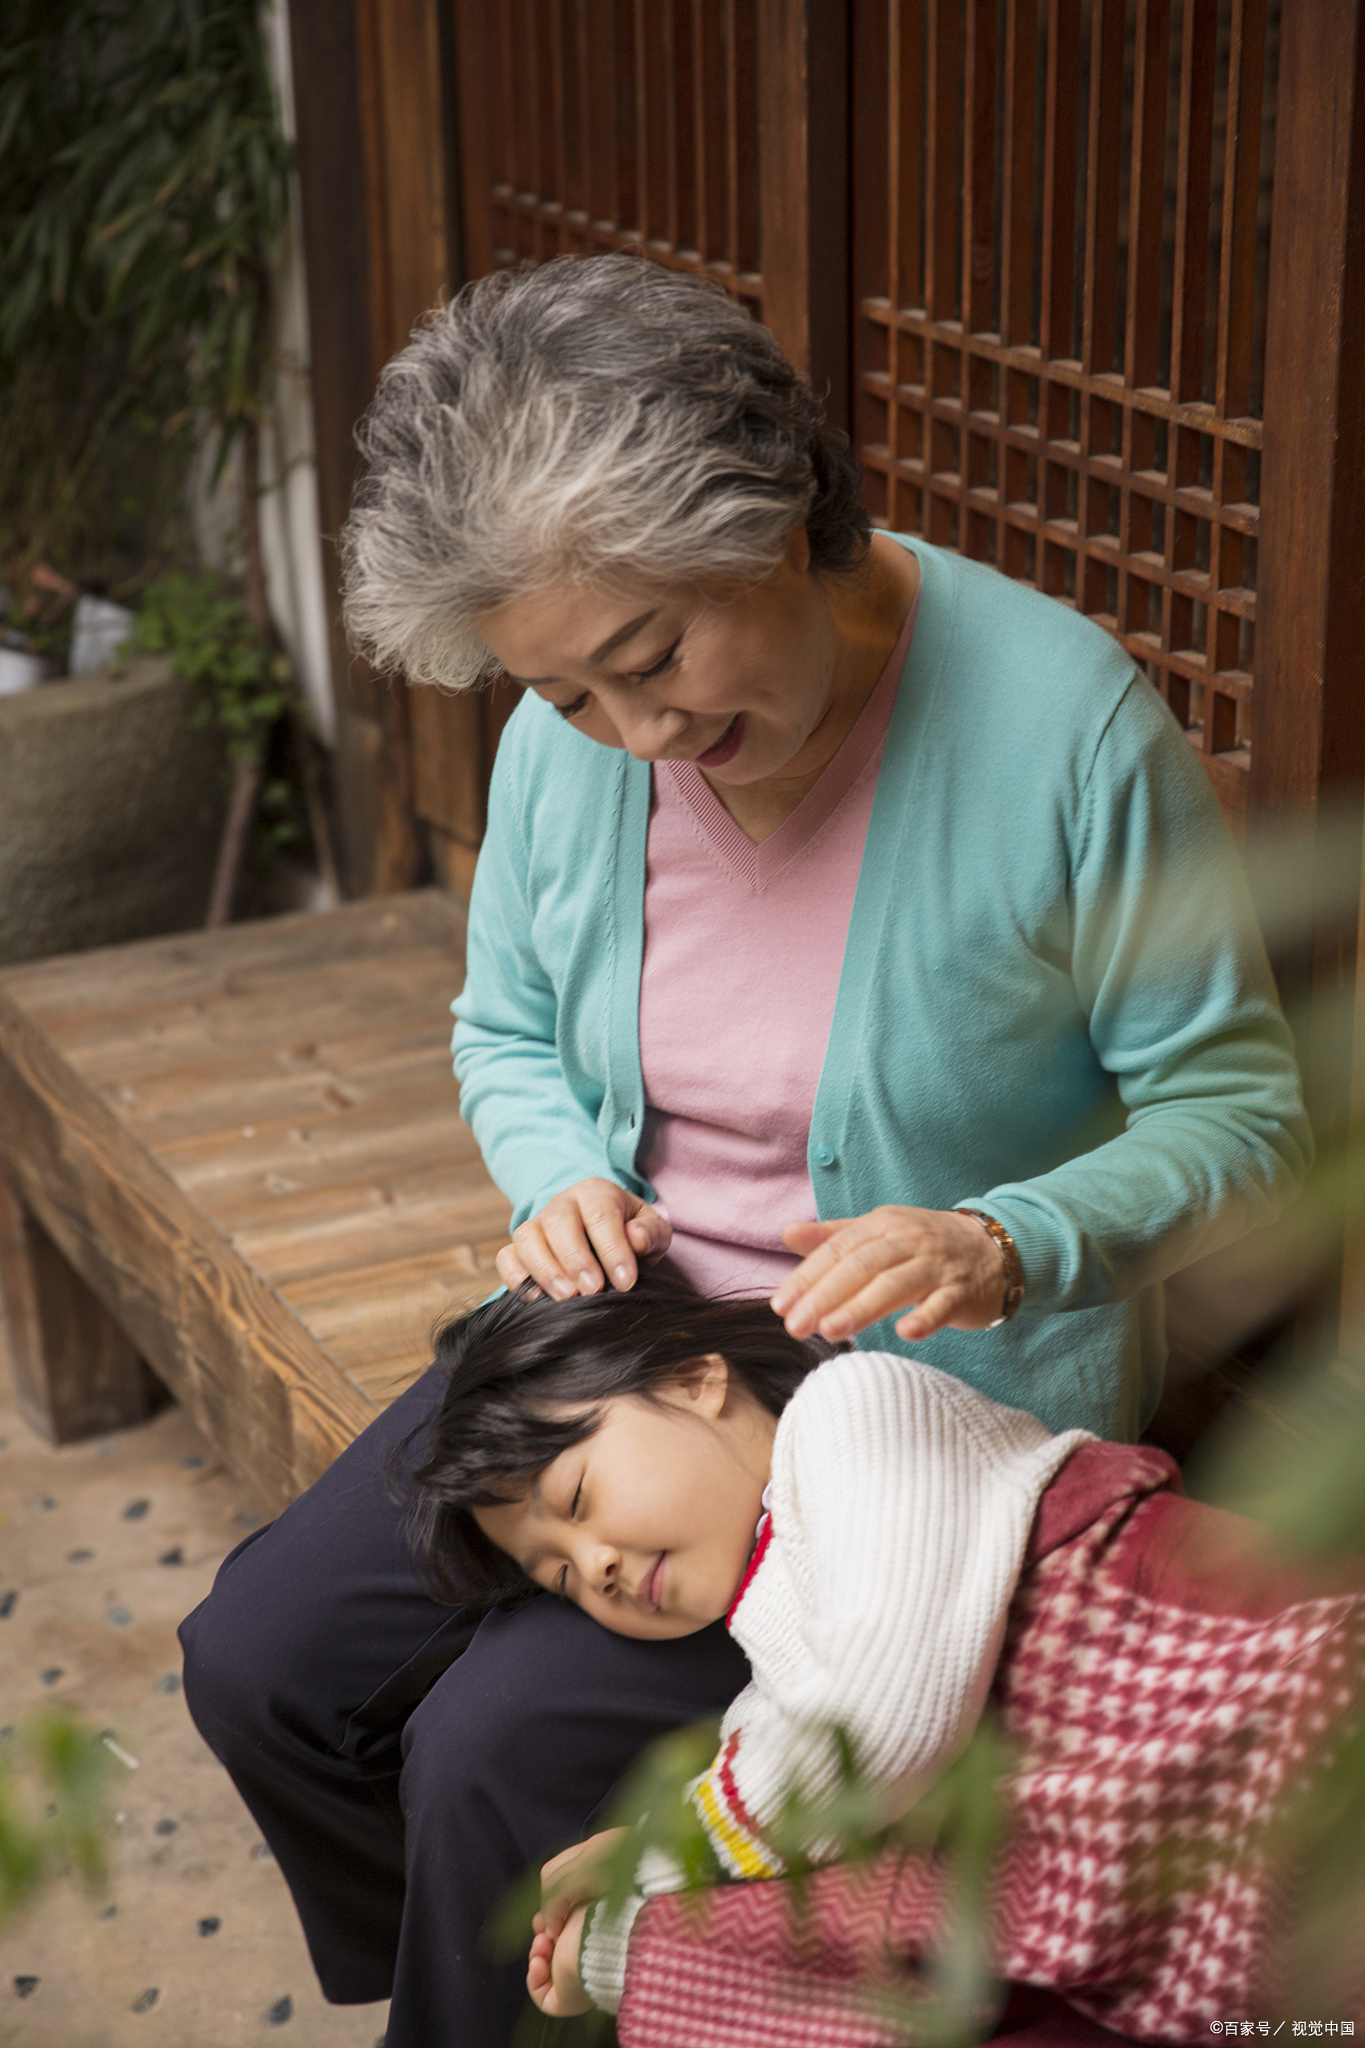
<point>562,1582</point>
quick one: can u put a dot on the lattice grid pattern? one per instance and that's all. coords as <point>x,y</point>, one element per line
<point>625,124</point>
<point>1061,227</point>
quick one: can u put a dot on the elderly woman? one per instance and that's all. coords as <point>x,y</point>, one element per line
<point>852,924</point>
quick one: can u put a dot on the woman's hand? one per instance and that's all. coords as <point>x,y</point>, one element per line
<point>592,1221</point>
<point>569,1883</point>
<point>941,1265</point>
<point>552,1970</point>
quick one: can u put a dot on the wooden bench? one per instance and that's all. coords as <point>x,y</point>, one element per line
<point>238,1156</point>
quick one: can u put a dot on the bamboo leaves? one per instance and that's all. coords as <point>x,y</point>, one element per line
<point>146,177</point>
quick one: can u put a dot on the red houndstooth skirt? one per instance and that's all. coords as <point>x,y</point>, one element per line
<point>1170,1688</point>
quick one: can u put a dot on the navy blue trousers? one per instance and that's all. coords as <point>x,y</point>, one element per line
<point>405,1763</point>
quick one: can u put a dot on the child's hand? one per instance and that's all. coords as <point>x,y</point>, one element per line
<point>552,1973</point>
<point>575,1877</point>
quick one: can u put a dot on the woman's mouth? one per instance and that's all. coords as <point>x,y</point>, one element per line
<point>650,1591</point>
<point>726,747</point>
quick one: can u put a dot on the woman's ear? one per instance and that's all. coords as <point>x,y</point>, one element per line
<point>798,550</point>
<point>701,1386</point>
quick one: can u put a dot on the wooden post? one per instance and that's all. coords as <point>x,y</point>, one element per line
<point>803,70</point>
<point>350,329</point>
<point>76,1373</point>
<point>1308,746</point>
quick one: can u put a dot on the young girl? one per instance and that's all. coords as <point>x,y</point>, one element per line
<point>886,1545</point>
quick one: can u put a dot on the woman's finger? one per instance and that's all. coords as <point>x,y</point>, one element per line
<point>859,1265</point>
<point>533,1251</point>
<point>511,1272</point>
<point>809,1235</point>
<point>567,1234</point>
<point>840,1237</point>
<point>604,1217</point>
<point>900,1287</point>
<point>895,1287</point>
<point>649,1233</point>
<point>927,1316</point>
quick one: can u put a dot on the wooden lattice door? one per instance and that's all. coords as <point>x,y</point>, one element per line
<point>1061,249</point>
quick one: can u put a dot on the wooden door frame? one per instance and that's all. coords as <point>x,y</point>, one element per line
<point>1308,741</point>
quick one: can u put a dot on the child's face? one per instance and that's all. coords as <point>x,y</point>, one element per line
<point>648,1523</point>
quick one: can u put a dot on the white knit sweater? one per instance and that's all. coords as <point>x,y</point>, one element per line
<point>875,1605</point>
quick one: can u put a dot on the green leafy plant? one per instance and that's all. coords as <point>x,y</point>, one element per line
<point>152,187</point>
<point>247,692</point>
<point>52,1808</point>
<point>210,637</point>
<point>144,198</point>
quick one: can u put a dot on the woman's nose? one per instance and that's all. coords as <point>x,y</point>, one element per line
<point>647,731</point>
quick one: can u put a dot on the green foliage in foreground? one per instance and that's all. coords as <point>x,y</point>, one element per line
<point>209,635</point>
<point>52,1808</point>
<point>960,1822</point>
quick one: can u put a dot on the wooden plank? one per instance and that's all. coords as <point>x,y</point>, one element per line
<point>336,178</point>
<point>332,1010</point>
<point>248,1371</point>
<point>285,1209</point>
<point>803,186</point>
<point>1018,149</point>
<point>324,1234</point>
<point>390,1304</point>
<point>1309,728</point>
<point>266,1035</point>
<point>149,1071</point>
<point>208,966</point>
<point>1194,167</point>
<point>410,1184</point>
<point>398,1126</point>
<point>1308,710</point>
<point>446,1231</point>
<point>1103,168</point>
<point>1241,187</point>
<point>1061,102</point>
<point>942,159</point>
<point>76,1373</point>
<point>449,782</point>
<point>469,81</point>
<point>1146,183</point>
<point>229,1112</point>
<point>978,193</point>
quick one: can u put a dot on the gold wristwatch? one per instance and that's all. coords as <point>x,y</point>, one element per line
<point>1009,1259</point>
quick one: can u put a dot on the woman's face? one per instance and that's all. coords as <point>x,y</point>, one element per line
<point>648,1523</point>
<point>739,684</point>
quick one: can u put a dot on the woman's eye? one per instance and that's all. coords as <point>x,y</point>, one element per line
<point>577,1497</point>
<point>645,675</point>
<point>572,710</point>
<point>562,1584</point>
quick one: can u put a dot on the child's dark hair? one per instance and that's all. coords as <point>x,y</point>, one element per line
<point>515,1362</point>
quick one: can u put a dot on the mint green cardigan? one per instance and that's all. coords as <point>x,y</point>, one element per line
<point>1054,1005</point>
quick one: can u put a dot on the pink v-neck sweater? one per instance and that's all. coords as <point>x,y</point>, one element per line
<point>730,1075</point>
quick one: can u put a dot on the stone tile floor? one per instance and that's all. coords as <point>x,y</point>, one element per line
<point>194,1943</point>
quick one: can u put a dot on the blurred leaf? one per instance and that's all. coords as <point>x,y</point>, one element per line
<point>56,1769</point>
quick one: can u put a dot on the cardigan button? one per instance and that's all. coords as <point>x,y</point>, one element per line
<point>825,1155</point>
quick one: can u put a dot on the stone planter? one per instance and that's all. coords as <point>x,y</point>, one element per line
<point>111,803</point>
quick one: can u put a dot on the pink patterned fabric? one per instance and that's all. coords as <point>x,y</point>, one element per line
<point>731,1074</point>
<point>1168,1685</point>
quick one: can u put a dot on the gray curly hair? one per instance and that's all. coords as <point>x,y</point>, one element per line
<point>595,419</point>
